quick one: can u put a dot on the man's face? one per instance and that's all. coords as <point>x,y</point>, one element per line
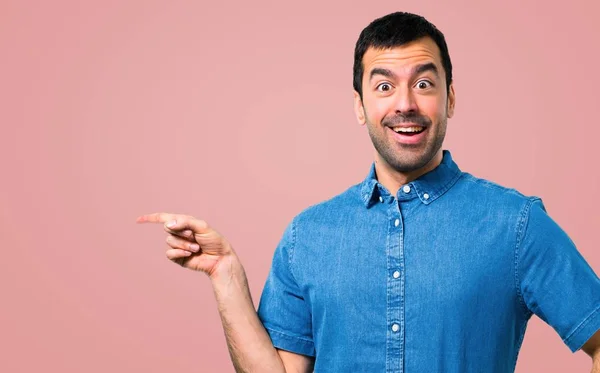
<point>404,89</point>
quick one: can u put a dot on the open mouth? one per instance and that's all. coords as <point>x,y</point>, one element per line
<point>410,136</point>
<point>409,131</point>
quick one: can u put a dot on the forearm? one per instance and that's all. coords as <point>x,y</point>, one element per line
<point>596,363</point>
<point>249,344</point>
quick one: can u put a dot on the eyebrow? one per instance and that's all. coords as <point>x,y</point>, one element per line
<point>417,70</point>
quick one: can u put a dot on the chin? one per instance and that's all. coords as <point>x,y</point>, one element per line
<point>412,161</point>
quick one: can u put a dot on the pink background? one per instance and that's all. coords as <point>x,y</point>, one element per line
<point>241,114</point>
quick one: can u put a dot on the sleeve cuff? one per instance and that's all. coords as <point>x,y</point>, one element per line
<point>584,331</point>
<point>290,343</point>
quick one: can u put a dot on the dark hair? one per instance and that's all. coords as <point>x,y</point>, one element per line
<point>394,30</point>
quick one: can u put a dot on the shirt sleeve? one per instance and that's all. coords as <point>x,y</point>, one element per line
<point>283,308</point>
<point>555,281</point>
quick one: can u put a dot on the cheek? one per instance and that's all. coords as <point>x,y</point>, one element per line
<point>432,107</point>
<point>376,110</point>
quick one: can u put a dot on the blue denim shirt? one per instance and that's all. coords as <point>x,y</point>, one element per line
<point>442,277</point>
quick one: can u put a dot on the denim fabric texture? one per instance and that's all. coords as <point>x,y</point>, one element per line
<point>442,277</point>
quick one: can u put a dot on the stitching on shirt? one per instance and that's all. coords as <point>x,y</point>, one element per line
<point>290,336</point>
<point>521,228</point>
<point>389,212</point>
<point>291,250</point>
<point>581,325</point>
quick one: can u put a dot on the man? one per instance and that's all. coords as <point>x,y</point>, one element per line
<point>419,268</point>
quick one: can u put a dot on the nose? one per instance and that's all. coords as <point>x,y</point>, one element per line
<point>405,101</point>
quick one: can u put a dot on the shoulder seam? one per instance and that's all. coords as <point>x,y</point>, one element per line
<point>492,184</point>
<point>292,250</point>
<point>522,224</point>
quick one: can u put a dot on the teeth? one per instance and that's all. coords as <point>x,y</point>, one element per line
<point>407,129</point>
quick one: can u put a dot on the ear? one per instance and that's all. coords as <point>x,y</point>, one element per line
<point>359,109</point>
<point>451,101</point>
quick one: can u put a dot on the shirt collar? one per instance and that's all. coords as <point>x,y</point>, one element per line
<point>429,186</point>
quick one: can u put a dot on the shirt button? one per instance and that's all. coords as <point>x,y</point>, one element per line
<point>396,274</point>
<point>397,222</point>
<point>426,196</point>
<point>406,189</point>
<point>395,328</point>
<point>380,199</point>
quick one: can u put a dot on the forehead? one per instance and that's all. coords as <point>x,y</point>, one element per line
<point>403,57</point>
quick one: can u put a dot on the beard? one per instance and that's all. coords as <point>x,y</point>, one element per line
<point>406,158</point>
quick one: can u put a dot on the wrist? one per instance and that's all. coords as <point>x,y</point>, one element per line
<point>228,269</point>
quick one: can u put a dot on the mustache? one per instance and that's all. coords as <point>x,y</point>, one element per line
<point>403,118</point>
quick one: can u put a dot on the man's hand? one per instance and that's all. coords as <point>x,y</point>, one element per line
<point>193,243</point>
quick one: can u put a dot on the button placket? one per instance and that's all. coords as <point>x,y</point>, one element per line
<point>395,283</point>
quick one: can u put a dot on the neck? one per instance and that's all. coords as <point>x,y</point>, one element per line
<point>392,180</point>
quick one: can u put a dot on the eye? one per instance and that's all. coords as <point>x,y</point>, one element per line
<point>384,87</point>
<point>424,84</point>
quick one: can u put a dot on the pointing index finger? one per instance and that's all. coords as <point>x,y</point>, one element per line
<point>181,222</point>
<point>188,222</point>
<point>158,217</point>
